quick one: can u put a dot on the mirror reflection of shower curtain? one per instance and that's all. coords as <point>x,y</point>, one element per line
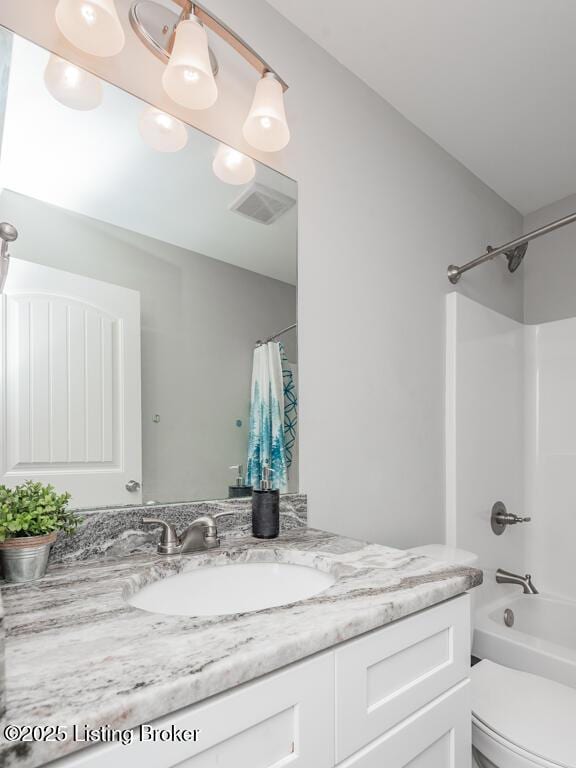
<point>266,440</point>
<point>290,376</point>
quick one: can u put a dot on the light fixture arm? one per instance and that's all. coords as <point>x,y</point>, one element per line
<point>186,13</point>
<point>157,41</point>
<point>236,42</point>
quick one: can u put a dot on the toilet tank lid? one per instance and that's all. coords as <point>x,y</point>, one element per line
<point>528,711</point>
<point>447,554</point>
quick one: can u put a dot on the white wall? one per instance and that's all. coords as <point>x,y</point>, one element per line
<point>485,435</point>
<point>549,269</point>
<point>551,454</point>
<point>200,319</point>
<point>5,57</point>
<point>382,211</point>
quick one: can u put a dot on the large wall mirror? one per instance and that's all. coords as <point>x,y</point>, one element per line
<point>148,264</point>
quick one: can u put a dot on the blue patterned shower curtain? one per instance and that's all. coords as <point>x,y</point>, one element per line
<point>266,442</point>
<point>290,407</point>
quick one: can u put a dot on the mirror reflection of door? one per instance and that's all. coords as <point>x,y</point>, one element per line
<point>70,363</point>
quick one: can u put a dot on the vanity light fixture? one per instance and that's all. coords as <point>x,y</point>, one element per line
<point>162,132</point>
<point>180,41</point>
<point>266,127</point>
<point>233,167</point>
<point>92,26</point>
<point>71,86</point>
<point>188,77</point>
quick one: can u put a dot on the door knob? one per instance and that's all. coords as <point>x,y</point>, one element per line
<point>132,486</point>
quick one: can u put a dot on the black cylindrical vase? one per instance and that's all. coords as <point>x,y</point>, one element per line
<point>266,514</point>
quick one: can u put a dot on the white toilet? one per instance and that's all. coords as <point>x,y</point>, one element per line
<point>519,720</point>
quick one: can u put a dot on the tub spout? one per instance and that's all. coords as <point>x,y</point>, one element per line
<point>505,577</point>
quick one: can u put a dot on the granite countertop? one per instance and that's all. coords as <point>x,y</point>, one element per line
<point>76,653</point>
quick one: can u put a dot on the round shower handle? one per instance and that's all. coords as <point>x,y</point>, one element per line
<point>500,518</point>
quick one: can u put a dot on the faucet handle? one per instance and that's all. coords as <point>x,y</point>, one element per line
<point>501,518</point>
<point>169,542</point>
<point>208,522</point>
<point>211,532</point>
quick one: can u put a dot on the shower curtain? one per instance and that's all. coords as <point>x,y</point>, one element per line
<point>290,407</point>
<point>266,443</point>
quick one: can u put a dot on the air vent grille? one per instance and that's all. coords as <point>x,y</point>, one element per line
<point>262,204</point>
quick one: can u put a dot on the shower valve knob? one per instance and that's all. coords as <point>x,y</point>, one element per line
<point>501,518</point>
<point>517,519</point>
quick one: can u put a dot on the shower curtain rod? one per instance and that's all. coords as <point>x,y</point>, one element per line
<point>455,273</point>
<point>280,333</point>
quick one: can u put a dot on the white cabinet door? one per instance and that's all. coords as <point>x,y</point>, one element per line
<point>285,720</point>
<point>70,384</point>
<point>437,736</point>
<point>386,675</point>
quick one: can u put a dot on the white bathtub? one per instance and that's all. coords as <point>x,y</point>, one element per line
<point>542,639</point>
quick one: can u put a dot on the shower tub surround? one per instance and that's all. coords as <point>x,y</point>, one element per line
<point>511,436</point>
<point>112,664</point>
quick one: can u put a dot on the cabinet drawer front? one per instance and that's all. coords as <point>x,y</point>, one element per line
<point>383,677</point>
<point>438,736</point>
<point>285,719</point>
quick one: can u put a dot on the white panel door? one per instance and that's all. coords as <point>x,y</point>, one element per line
<point>70,384</point>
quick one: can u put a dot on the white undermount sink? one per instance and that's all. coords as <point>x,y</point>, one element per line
<point>226,589</point>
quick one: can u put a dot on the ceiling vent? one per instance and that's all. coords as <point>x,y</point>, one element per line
<point>262,204</point>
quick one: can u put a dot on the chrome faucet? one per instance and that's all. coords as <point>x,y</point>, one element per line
<point>505,577</point>
<point>200,535</point>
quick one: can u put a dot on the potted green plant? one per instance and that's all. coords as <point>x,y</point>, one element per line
<point>30,517</point>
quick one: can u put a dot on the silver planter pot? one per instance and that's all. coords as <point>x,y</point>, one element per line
<point>26,558</point>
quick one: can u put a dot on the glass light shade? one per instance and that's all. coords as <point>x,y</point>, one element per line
<point>232,167</point>
<point>92,26</point>
<point>72,86</point>
<point>266,127</point>
<point>188,77</point>
<point>162,132</point>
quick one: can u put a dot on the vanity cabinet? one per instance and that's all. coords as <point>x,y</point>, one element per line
<point>385,676</point>
<point>396,697</point>
<point>438,736</point>
<point>286,718</point>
